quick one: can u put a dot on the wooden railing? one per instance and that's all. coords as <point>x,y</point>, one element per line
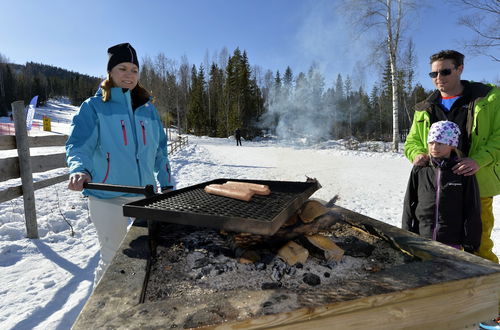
<point>177,144</point>
<point>10,167</point>
<point>25,165</point>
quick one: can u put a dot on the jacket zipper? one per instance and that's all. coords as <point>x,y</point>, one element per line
<point>438,195</point>
<point>107,169</point>
<point>143,132</point>
<point>124,131</point>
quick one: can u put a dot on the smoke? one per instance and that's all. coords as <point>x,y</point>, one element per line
<point>307,111</point>
<point>302,111</point>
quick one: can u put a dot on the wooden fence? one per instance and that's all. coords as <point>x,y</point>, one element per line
<point>177,144</point>
<point>25,165</point>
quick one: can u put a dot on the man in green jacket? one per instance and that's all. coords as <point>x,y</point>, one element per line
<point>475,107</point>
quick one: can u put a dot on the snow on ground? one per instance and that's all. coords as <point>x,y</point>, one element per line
<point>45,282</point>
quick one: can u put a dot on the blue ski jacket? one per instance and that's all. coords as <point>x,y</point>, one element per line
<point>118,145</point>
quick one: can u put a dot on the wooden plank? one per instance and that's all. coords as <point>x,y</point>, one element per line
<point>459,306</point>
<point>14,192</point>
<point>51,181</point>
<point>44,163</point>
<point>10,193</point>
<point>9,168</point>
<point>8,142</point>
<point>48,141</point>
<point>23,151</point>
<point>120,271</point>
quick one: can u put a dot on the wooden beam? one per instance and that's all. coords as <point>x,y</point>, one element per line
<point>23,150</point>
<point>9,168</point>
<point>8,142</point>
<point>14,192</point>
<point>47,141</point>
<point>47,162</point>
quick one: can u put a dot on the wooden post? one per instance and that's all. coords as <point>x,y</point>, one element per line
<point>23,151</point>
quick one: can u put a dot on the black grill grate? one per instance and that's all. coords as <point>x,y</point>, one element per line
<point>263,208</point>
<point>193,206</point>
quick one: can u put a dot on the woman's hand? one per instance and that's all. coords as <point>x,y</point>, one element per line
<point>76,180</point>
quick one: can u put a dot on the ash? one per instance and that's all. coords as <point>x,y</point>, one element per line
<point>192,261</point>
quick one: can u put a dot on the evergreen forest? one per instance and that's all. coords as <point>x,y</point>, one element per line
<point>218,96</point>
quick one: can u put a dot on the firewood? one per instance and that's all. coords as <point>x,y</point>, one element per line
<point>322,223</point>
<point>324,246</point>
<point>310,210</point>
<point>293,253</point>
<point>291,221</point>
<point>249,257</point>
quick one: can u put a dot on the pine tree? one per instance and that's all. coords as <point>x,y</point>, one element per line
<point>196,115</point>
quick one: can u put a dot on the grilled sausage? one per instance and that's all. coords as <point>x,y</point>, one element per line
<point>259,189</point>
<point>231,192</point>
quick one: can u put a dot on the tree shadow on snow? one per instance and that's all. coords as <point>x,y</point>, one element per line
<point>62,295</point>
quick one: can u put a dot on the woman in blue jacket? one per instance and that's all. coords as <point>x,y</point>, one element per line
<point>117,137</point>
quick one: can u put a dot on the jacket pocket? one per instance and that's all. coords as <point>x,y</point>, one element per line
<point>124,132</point>
<point>108,167</point>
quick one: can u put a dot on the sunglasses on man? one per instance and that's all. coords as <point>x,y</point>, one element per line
<point>443,72</point>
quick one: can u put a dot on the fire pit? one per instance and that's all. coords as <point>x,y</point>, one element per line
<point>202,277</point>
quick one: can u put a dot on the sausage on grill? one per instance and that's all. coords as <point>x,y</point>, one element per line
<point>230,191</point>
<point>259,189</point>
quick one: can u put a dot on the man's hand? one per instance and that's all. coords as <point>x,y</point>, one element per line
<point>466,166</point>
<point>421,160</point>
<point>76,181</point>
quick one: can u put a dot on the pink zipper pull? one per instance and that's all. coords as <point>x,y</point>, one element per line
<point>124,131</point>
<point>143,132</point>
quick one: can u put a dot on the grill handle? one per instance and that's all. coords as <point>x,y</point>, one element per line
<point>147,191</point>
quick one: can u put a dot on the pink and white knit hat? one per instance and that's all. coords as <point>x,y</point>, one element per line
<point>446,132</point>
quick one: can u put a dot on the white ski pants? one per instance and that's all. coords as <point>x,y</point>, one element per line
<point>111,226</point>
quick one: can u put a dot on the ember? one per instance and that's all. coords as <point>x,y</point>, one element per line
<point>193,261</point>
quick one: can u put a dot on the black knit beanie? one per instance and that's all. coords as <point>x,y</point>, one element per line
<point>121,53</point>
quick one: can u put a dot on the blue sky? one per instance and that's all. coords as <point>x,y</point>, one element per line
<point>275,33</point>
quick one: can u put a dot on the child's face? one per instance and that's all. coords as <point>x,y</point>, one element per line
<point>439,150</point>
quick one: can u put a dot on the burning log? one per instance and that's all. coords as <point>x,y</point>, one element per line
<point>311,210</point>
<point>323,246</point>
<point>292,253</point>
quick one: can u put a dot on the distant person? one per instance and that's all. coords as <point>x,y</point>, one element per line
<point>475,108</point>
<point>237,135</point>
<point>440,204</point>
<point>117,137</point>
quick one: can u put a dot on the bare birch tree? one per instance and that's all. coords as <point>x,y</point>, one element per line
<point>483,19</point>
<point>389,17</point>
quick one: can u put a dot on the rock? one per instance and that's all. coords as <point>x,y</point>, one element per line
<point>311,279</point>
